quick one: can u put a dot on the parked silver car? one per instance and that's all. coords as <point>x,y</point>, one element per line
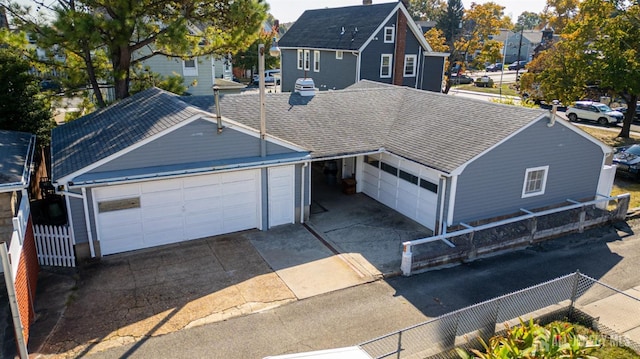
<point>594,111</point>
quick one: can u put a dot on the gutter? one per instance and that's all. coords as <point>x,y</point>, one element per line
<point>26,170</point>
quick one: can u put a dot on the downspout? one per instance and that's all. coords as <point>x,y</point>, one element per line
<point>443,228</point>
<point>452,199</point>
<point>13,301</point>
<point>70,218</point>
<point>304,166</point>
<point>88,223</point>
<point>418,66</point>
<point>263,109</point>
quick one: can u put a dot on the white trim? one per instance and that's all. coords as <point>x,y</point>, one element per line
<point>379,28</point>
<point>605,149</point>
<point>461,168</point>
<point>306,63</point>
<point>452,198</point>
<point>358,64</point>
<point>300,59</point>
<point>341,53</point>
<point>441,228</point>
<point>317,48</point>
<point>386,33</point>
<point>436,54</point>
<point>88,222</point>
<point>526,181</point>
<point>316,60</point>
<point>67,201</point>
<point>415,63</point>
<point>417,31</point>
<point>390,56</point>
<point>229,124</point>
<point>190,71</point>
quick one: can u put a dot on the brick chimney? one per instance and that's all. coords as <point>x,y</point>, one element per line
<point>367,2</point>
<point>401,44</point>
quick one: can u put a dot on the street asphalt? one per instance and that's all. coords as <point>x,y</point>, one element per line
<point>350,316</point>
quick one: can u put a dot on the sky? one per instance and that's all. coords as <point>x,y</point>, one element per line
<point>290,10</point>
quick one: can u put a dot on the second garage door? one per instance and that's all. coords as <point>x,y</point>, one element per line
<point>147,214</point>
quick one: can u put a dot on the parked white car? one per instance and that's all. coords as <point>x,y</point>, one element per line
<point>271,77</point>
<point>594,111</point>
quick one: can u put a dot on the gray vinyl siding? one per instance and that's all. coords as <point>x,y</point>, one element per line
<point>195,142</point>
<point>431,73</point>
<point>492,184</point>
<point>77,216</point>
<point>371,56</point>
<point>412,47</point>
<point>195,85</point>
<point>334,74</point>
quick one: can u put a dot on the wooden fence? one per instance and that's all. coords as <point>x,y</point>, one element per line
<point>55,246</point>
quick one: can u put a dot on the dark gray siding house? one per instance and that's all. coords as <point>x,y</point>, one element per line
<point>341,46</point>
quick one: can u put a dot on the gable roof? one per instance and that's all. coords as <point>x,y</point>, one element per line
<point>16,154</point>
<point>93,137</point>
<point>439,131</point>
<point>322,28</point>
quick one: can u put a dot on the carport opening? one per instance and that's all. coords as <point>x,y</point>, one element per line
<point>333,181</point>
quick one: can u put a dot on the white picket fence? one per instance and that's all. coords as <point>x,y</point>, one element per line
<point>55,246</point>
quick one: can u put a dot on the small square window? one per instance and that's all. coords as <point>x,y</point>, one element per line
<point>190,67</point>
<point>535,181</point>
<point>389,34</point>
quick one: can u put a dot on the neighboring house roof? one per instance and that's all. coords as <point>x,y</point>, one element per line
<point>323,28</point>
<point>16,154</point>
<point>93,137</point>
<point>440,131</point>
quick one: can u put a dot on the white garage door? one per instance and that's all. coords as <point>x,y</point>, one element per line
<point>403,186</point>
<point>147,214</point>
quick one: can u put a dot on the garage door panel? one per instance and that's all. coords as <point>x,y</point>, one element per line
<point>180,209</point>
<point>195,193</point>
<point>116,192</point>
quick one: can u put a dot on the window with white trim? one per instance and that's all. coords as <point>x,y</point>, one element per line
<point>535,181</point>
<point>190,67</point>
<point>300,60</point>
<point>410,65</point>
<point>385,65</point>
<point>339,55</point>
<point>389,34</point>
<point>307,60</point>
<point>316,61</point>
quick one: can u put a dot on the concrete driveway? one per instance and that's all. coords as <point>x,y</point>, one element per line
<point>124,298</point>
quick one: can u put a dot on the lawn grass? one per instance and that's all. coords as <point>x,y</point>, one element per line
<point>621,184</point>
<point>506,91</point>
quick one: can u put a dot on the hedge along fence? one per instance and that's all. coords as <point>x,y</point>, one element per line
<point>473,241</point>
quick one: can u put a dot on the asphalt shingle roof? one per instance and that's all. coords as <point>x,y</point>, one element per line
<point>14,152</point>
<point>436,130</point>
<point>322,28</point>
<point>107,131</point>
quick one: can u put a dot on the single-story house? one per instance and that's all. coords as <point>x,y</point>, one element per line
<point>157,168</point>
<point>16,230</point>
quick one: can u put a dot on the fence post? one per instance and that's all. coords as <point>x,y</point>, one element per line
<point>399,344</point>
<point>574,292</point>
<point>407,259</point>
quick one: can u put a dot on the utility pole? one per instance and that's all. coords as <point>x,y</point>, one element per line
<point>518,59</point>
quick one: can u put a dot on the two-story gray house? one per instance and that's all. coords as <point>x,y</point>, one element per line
<point>341,46</point>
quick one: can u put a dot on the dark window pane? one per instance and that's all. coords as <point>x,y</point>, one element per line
<point>389,169</point>
<point>372,161</point>
<point>408,177</point>
<point>428,185</point>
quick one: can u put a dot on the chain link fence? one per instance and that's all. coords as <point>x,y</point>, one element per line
<point>574,297</point>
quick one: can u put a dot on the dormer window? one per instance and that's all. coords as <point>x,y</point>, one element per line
<point>389,34</point>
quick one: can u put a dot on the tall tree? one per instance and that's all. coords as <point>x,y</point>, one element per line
<point>601,46</point>
<point>427,10</point>
<point>528,21</point>
<point>558,13</point>
<point>129,32</point>
<point>450,22</point>
<point>482,23</point>
<point>23,107</point>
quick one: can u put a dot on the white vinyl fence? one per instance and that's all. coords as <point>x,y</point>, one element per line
<point>55,246</point>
